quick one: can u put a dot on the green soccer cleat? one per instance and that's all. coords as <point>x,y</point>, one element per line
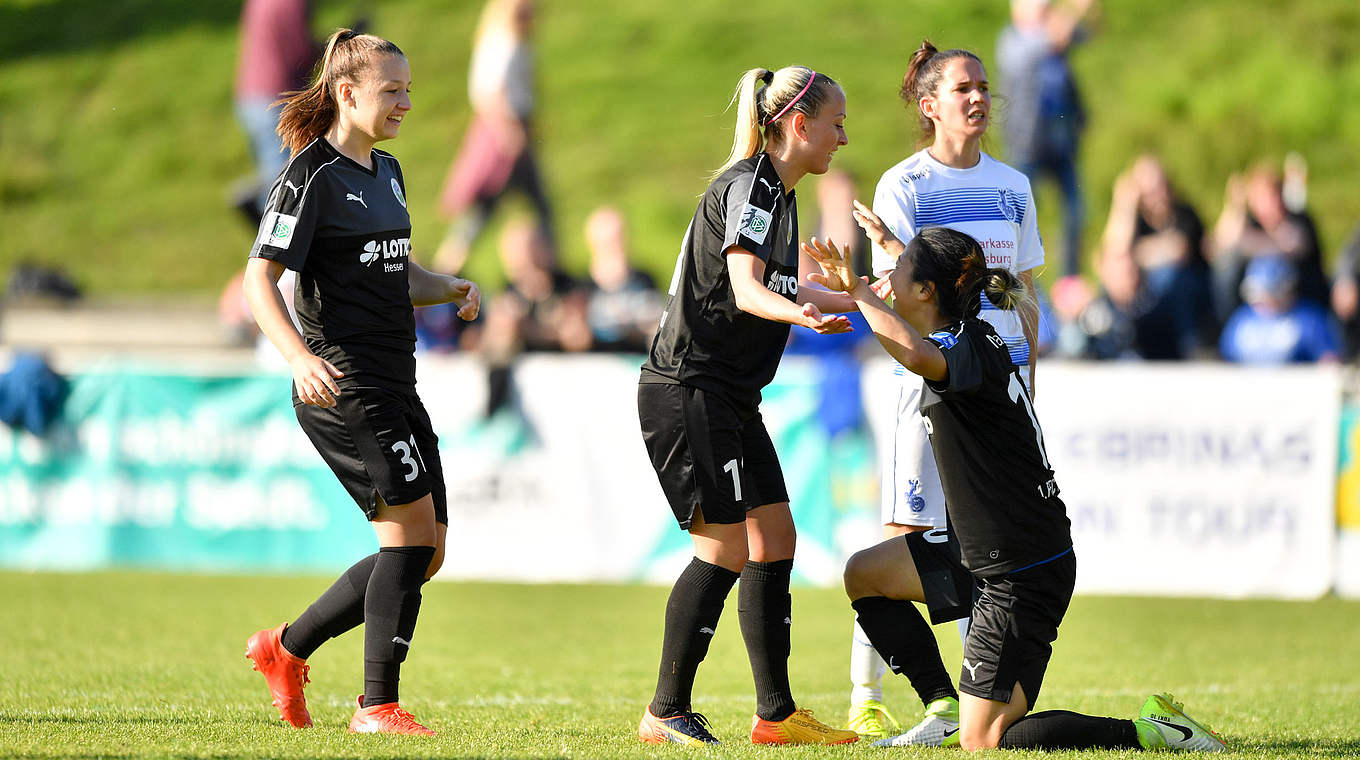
<point>1162,724</point>
<point>871,718</point>
<point>939,727</point>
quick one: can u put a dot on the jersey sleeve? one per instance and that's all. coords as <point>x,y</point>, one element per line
<point>966,368</point>
<point>893,203</point>
<point>289,221</point>
<point>749,209</point>
<point>1030,248</point>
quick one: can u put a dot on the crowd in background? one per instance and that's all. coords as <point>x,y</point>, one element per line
<point>1252,288</point>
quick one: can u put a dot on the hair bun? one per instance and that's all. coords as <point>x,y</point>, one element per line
<point>767,77</point>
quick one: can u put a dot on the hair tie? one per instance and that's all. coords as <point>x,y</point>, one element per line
<point>767,77</point>
<point>795,100</point>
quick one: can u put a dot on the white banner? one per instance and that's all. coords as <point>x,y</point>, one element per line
<point>1200,480</point>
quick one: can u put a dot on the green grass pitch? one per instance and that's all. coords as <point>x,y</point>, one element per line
<point>142,665</point>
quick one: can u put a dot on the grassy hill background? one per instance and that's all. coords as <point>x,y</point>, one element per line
<point>118,143</point>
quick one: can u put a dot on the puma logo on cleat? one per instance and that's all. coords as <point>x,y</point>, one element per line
<point>1185,732</point>
<point>972,669</point>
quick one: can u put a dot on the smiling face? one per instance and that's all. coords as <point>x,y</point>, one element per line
<point>824,133</point>
<point>962,102</point>
<point>376,105</point>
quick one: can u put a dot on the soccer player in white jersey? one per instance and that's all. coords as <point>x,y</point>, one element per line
<point>950,183</point>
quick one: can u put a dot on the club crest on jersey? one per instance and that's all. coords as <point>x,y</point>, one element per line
<point>945,339</point>
<point>755,223</point>
<point>277,230</point>
<point>1008,202</point>
<point>396,190</point>
<point>398,249</point>
<point>915,500</point>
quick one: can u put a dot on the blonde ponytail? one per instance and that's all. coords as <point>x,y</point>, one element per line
<point>764,98</point>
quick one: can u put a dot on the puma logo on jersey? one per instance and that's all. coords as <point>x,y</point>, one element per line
<point>359,198</point>
<point>972,668</point>
<point>292,187</point>
<point>767,185</point>
<point>783,284</point>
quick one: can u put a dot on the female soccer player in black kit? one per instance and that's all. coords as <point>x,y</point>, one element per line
<point>337,216</point>
<point>1003,509</point>
<point>733,296</point>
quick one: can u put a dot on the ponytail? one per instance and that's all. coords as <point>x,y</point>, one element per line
<point>924,71</point>
<point>308,113</point>
<point>764,98</point>
<point>954,264</point>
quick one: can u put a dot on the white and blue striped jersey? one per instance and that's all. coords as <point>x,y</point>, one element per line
<point>990,201</point>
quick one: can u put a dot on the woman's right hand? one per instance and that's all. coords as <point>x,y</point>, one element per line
<point>314,378</point>
<point>874,228</point>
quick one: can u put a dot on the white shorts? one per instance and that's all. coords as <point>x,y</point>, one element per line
<point>911,490</point>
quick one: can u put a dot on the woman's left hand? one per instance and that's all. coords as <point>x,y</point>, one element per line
<point>466,296</point>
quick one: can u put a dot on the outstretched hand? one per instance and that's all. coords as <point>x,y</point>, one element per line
<point>874,228</point>
<point>836,273</point>
<point>825,324</point>
<point>466,296</point>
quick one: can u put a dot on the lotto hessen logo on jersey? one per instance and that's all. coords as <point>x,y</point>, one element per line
<point>755,223</point>
<point>782,284</point>
<point>387,250</point>
<point>277,230</point>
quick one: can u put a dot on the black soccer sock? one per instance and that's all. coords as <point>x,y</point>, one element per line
<point>692,613</point>
<point>1060,729</point>
<point>765,611</point>
<point>904,640</point>
<point>391,605</point>
<point>339,609</point>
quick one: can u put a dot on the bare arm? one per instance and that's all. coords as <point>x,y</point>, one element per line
<point>313,377</point>
<point>429,288</point>
<point>745,271</point>
<point>1029,323</point>
<point>902,341</point>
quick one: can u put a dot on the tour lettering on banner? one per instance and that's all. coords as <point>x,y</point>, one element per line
<point>1201,480</point>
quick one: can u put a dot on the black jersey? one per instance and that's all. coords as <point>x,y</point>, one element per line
<point>704,340</point>
<point>1002,501</point>
<point>344,229</point>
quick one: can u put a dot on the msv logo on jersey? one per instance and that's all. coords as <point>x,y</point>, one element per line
<point>400,249</point>
<point>783,284</point>
<point>1008,202</point>
<point>755,223</point>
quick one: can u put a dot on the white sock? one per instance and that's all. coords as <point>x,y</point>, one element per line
<point>963,628</point>
<point>866,669</point>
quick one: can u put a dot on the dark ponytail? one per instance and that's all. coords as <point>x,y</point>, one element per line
<point>955,266</point>
<point>307,114</point>
<point>924,71</point>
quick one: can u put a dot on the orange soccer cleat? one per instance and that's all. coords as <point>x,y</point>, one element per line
<point>285,674</point>
<point>385,719</point>
<point>798,728</point>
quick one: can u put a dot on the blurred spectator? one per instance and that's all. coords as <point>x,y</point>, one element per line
<point>497,152</point>
<point>1164,237</point>
<point>1103,324</point>
<point>32,395</point>
<point>1255,222</point>
<point>541,308</point>
<point>1346,294</point>
<point>1272,326</point>
<point>1044,115</point>
<point>276,54</point>
<point>623,306</point>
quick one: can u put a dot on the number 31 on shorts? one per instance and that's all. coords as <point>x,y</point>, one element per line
<point>416,463</point>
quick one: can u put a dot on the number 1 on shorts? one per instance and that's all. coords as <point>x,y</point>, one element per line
<point>731,467</point>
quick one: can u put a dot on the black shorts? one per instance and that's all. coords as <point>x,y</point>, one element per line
<point>1015,622</point>
<point>708,454</point>
<point>949,587</point>
<point>381,445</point>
